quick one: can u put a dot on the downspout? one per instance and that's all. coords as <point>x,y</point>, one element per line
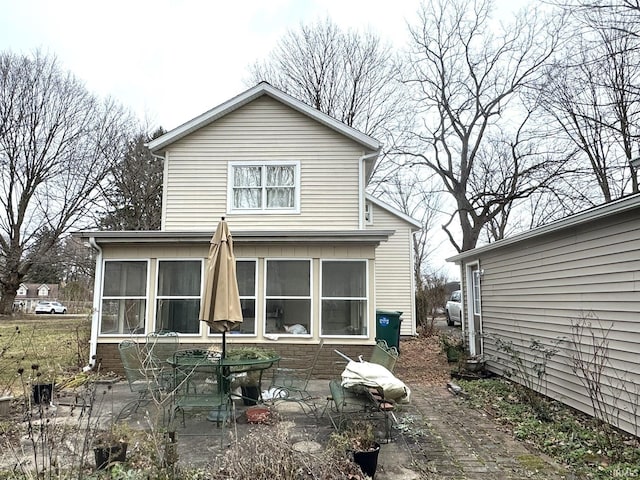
<point>95,319</point>
<point>362,186</point>
<point>164,184</point>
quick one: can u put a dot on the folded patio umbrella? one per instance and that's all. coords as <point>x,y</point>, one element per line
<point>221,308</point>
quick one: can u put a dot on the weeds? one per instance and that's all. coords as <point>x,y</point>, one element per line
<point>569,436</point>
<point>611,396</point>
<point>529,368</point>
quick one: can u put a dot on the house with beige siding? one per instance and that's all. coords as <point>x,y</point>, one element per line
<point>312,247</point>
<point>572,286</point>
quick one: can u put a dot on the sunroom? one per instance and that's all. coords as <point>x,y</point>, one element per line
<point>320,282</point>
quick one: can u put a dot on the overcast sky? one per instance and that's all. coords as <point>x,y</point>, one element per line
<point>171,60</point>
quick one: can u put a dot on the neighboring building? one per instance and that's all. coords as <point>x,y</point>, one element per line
<point>543,284</point>
<point>28,294</point>
<point>311,247</point>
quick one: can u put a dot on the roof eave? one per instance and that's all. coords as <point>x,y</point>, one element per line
<point>619,206</point>
<point>240,237</point>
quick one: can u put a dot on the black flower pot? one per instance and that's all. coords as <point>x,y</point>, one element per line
<point>368,461</point>
<point>106,456</point>
<point>42,393</point>
<point>250,395</point>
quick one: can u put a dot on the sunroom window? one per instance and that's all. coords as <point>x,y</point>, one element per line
<point>288,297</point>
<point>178,297</point>
<point>124,297</point>
<point>247,281</point>
<point>271,187</point>
<point>344,300</point>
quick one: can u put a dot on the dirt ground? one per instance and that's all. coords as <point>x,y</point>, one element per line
<point>418,352</point>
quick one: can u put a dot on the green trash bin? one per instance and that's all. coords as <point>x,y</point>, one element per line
<point>388,327</point>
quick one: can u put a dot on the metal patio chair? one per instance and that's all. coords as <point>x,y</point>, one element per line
<point>144,376</point>
<point>363,401</point>
<point>198,386</point>
<point>161,346</point>
<point>291,382</point>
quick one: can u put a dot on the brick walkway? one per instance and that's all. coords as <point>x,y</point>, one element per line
<point>462,443</point>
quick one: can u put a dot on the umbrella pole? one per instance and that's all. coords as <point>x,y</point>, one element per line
<point>219,413</point>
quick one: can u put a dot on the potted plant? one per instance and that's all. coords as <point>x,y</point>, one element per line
<point>475,363</point>
<point>6,400</point>
<point>248,380</point>
<point>359,440</point>
<point>110,446</point>
<point>452,347</point>
<point>42,384</point>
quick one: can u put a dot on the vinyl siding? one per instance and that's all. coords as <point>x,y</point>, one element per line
<point>264,130</point>
<point>535,288</point>
<point>394,270</point>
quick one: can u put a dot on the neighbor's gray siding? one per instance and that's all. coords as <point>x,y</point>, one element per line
<point>534,289</point>
<point>394,269</point>
<point>195,192</point>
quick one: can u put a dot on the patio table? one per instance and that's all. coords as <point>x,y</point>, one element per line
<point>224,368</point>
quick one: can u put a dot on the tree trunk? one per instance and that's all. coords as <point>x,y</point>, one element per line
<point>8,296</point>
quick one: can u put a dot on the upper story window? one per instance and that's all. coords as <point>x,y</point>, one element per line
<point>264,187</point>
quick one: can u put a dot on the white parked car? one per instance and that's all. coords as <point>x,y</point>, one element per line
<point>50,307</point>
<point>453,309</point>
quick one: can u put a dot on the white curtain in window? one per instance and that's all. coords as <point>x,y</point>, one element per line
<point>280,186</point>
<point>247,183</point>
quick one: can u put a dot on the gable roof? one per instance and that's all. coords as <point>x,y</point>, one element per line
<point>621,205</point>
<point>160,144</point>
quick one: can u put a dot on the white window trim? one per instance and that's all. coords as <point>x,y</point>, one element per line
<point>145,298</point>
<point>245,297</point>
<point>266,297</point>
<point>475,285</point>
<point>366,298</point>
<point>170,297</point>
<point>368,212</point>
<point>269,211</point>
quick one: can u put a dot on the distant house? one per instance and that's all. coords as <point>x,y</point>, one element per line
<point>542,284</point>
<point>28,294</point>
<point>312,248</point>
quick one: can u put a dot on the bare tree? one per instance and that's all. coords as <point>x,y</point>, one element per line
<point>412,192</point>
<point>350,76</point>
<point>134,191</point>
<point>57,144</point>
<point>594,96</point>
<point>467,79</point>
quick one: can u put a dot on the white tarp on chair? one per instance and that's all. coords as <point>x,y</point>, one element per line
<point>373,375</point>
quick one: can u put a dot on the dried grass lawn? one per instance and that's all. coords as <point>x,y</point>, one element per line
<point>55,344</point>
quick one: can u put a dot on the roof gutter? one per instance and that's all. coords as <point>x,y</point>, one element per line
<point>622,205</point>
